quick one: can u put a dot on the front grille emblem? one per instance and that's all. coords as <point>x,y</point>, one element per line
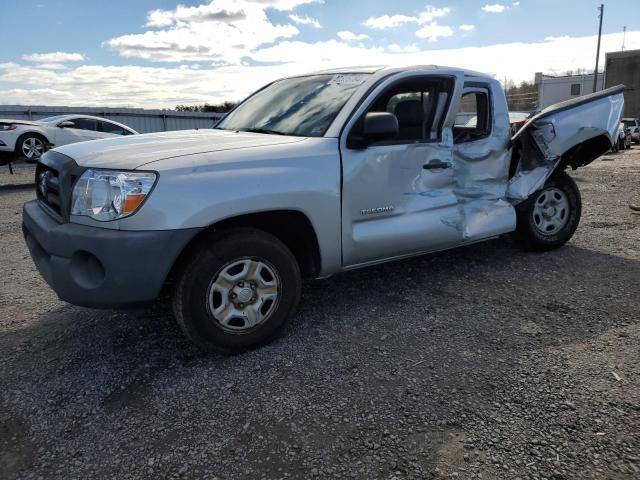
<point>43,183</point>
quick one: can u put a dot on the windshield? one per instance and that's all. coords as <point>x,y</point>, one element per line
<point>52,119</point>
<point>629,123</point>
<point>302,106</point>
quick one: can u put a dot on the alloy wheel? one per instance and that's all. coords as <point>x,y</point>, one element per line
<point>32,147</point>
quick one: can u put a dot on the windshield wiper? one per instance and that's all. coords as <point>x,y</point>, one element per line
<point>261,130</point>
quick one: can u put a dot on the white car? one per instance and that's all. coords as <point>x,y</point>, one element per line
<point>633,124</point>
<point>30,139</point>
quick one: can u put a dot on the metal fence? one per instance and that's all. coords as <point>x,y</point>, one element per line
<point>141,120</point>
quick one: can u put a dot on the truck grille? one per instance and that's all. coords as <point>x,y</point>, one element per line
<point>55,176</point>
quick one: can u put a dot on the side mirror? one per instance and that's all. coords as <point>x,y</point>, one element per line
<point>380,126</point>
<point>67,124</point>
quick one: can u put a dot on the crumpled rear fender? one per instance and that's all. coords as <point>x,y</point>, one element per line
<point>572,133</point>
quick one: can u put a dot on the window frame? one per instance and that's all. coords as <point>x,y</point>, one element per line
<point>439,84</point>
<point>483,89</point>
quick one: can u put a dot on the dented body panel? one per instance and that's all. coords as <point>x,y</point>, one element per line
<point>558,129</point>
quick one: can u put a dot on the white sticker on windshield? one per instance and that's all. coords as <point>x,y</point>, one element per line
<point>347,79</point>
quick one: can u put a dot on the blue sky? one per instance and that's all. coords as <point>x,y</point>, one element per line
<point>155,53</point>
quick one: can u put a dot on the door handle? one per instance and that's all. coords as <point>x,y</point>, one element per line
<point>436,165</point>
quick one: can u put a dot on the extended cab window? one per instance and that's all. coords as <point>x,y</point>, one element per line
<point>414,102</point>
<point>473,118</point>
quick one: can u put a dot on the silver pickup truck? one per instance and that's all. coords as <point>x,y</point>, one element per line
<point>310,176</point>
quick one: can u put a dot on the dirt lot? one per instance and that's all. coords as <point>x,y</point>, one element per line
<point>484,362</point>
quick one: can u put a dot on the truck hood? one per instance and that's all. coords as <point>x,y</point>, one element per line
<point>136,151</point>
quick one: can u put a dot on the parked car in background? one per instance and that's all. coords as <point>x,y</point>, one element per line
<point>633,124</point>
<point>517,120</point>
<point>30,139</point>
<point>622,140</point>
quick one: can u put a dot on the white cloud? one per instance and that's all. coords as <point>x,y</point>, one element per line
<point>390,21</point>
<point>220,31</point>
<point>52,66</point>
<point>467,27</point>
<point>494,8</point>
<point>202,13</point>
<point>349,36</point>
<point>395,48</point>
<point>433,31</point>
<point>516,4</point>
<point>53,57</point>
<point>305,21</point>
<point>168,86</point>
<point>387,21</point>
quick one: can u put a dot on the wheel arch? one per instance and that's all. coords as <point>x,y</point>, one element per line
<point>291,227</point>
<point>33,132</point>
<point>585,152</point>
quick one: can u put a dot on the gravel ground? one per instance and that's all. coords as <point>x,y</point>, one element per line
<point>482,362</point>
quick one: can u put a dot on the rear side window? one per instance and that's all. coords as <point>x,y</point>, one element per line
<point>473,118</point>
<point>84,124</point>
<point>108,127</point>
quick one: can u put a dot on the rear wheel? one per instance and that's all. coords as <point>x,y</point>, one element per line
<point>550,217</point>
<point>31,146</point>
<point>238,291</point>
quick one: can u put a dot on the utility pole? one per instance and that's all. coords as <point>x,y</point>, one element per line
<point>595,73</point>
<point>624,36</point>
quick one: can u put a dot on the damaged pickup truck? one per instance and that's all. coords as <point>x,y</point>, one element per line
<point>309,176</point>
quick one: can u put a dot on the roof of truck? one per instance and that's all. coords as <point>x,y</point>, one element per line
<point>386,69</point>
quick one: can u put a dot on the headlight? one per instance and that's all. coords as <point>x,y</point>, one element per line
<point>7,126</point>
<point>108,195</point>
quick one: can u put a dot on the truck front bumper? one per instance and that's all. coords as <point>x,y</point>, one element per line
<point>100,267</point>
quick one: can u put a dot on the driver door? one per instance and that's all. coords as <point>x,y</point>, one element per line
<point>398,196</point>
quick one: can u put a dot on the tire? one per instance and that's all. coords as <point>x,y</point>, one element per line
<point>31,146</point>
<point>535,231</point>
<point>216,280</point>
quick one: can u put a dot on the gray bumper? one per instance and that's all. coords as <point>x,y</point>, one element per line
<point>99,267</point>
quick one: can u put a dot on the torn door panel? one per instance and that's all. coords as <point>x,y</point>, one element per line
<point>574,132</point>
<point>481,172</point>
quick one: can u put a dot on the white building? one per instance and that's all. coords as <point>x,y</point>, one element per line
<point>554,89</point>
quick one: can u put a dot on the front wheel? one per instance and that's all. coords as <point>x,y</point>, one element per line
<point>550,217</point>
<point>238,291</point>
